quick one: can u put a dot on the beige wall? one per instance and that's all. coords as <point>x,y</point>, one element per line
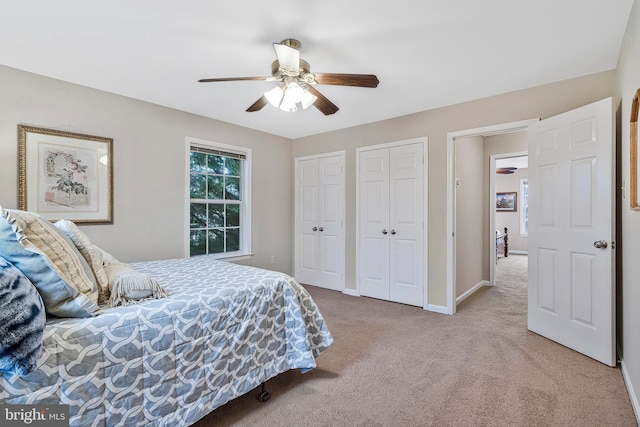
<point>470,213</point>
<point>149,165</point>
<point>628,244</point>
<point>541,101</point>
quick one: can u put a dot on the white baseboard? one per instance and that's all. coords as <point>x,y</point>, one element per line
<point>519,252</point>
<point>472,291</point>
<point>351,292</point>
<point>632,394</point>
<point>442,309</point>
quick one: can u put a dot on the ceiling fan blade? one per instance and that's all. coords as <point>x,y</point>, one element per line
<point>288,58</point>
<point>505,171</point>
<point>258,105</point>
<point>231,79</point>
<point>322,103</point>
<point>360,80</point>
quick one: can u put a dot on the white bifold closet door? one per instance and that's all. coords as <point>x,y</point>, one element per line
<point>319,233</point>
<point>391,220</point>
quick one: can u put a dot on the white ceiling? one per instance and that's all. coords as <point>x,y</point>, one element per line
<point>426,53</point>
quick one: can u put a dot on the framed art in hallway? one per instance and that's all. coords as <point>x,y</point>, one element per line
<point>65,175</point>
<point>507,201</point>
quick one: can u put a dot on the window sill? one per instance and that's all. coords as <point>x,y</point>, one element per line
<point>233,257</point>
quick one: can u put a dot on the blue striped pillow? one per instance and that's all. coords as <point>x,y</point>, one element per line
<point>22,319</point>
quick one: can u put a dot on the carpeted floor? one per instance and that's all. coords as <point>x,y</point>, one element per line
<point>396,365</point>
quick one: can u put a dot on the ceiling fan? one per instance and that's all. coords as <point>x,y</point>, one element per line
<point>298,83</point>
<point>506,171</point>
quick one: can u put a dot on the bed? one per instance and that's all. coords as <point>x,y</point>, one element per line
<point>502,244</point>
<point>223,330</point>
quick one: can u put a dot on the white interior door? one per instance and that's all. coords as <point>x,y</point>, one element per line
<point>374,223</point>
<point>406,221</point>
<point>330,223</point>
<point>307,225</point>
<point>571,229</point>
<point>319,230</point>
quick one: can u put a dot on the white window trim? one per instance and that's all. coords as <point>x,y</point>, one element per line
<point>522,181</point>
<point>246,182</point>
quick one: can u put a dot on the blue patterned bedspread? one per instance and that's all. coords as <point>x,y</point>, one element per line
<point>223,330</point>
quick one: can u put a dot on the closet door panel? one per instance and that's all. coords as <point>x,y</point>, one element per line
<point>307,238</point>
<point>330,222</point>
<point>374,223</point>
<point>406,217</point>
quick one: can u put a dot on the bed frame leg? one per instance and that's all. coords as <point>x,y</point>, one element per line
<point>264,395</point>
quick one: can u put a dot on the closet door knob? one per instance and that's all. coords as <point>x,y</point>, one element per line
<point>393,231</point>
<point>600,244</point>
<point>315,228</point>
<point>384,231</point>
<point>321,229</point>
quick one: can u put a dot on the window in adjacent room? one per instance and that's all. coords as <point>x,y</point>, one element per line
<point>524,206</point>
<point>219,199</point>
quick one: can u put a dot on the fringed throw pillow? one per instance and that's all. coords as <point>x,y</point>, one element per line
<point>128,286</point>
<point>22,320</point>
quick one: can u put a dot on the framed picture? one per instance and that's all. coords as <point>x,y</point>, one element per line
<point>633,148</point>
<point>64,175</point>
<point>507,202</point>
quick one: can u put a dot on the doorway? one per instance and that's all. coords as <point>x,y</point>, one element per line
<point>452,186</point>
<point>508,201</point>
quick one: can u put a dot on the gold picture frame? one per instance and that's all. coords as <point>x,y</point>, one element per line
<point>507,201</point>
<point>65,175</point>
<point>633,151</point>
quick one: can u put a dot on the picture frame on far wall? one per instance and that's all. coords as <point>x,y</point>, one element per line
<point>634,166</point>
<point>65,175</point>
<point>507,201</point>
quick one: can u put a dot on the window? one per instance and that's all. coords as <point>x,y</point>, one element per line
<point>219,204</point>
<point>524,206</point>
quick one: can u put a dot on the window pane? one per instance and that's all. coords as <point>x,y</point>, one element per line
<point>216,215</point>
<point>232,189</point>
<point>216,188</point>
<point>198,215</point>
<point>216,164</point>
<point>198,242</point>
<point>233,167</point>
<point>198,162</point>
<point>233,216</point>
<point>233,239</point>
<point>216,202</point>
<point>198,186</point>
<point>216,241</point>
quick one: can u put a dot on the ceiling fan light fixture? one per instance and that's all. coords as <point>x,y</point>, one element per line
<point>287,97</point>
<point>274,96</point>
<point>308,99</point>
